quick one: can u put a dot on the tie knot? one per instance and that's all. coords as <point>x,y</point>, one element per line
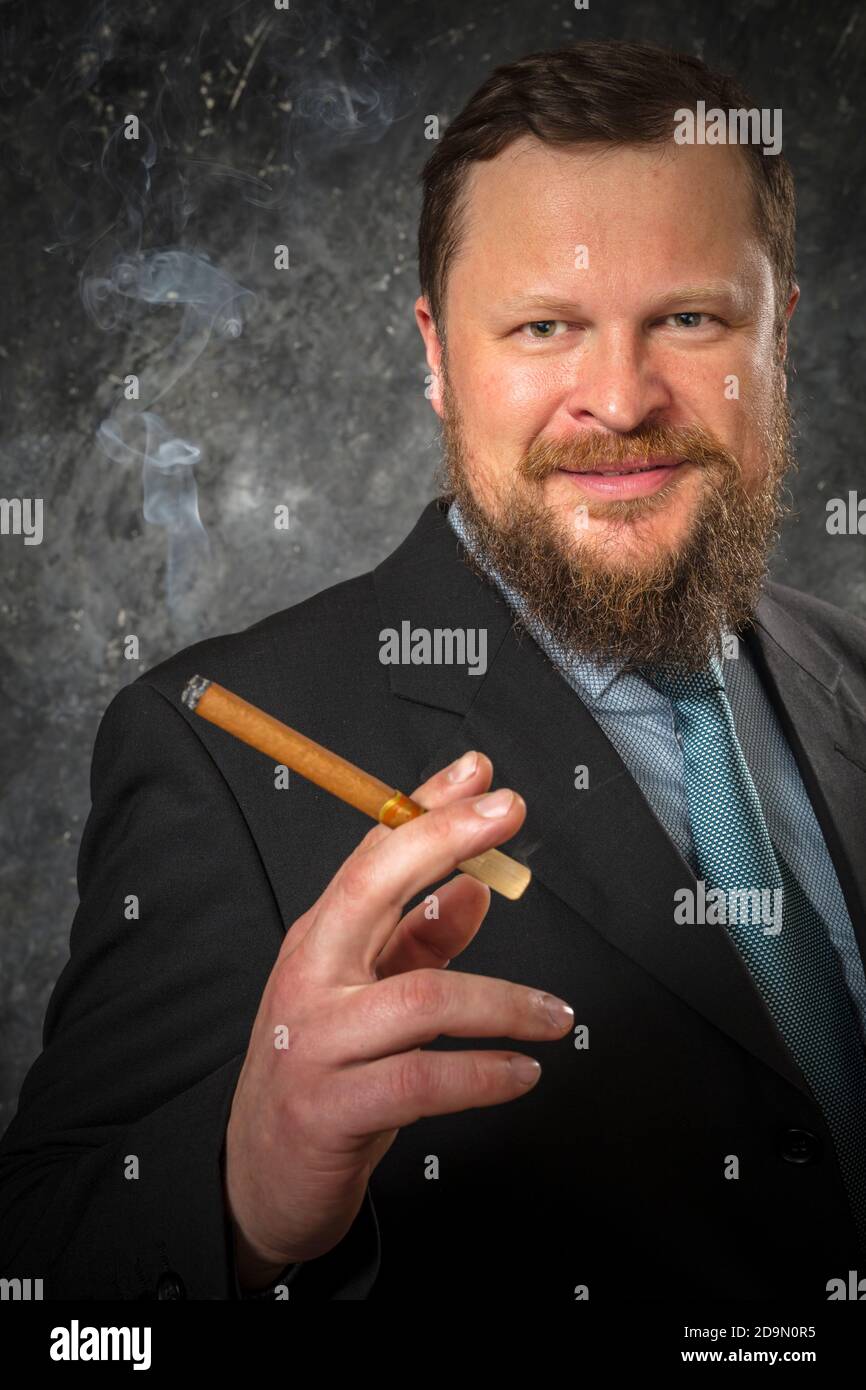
<point>679,684</point>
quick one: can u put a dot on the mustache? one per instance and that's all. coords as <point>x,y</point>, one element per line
<point>591,449</point>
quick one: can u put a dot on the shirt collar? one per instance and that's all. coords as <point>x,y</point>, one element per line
<point>598,683</point>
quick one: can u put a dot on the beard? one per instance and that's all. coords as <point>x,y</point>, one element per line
<point>653,604</point>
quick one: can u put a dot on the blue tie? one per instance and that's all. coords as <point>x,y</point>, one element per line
<point>795,968</point>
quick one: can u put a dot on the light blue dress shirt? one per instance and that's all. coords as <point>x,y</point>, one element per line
<point>640,722</point>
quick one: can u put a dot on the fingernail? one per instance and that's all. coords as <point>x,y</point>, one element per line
<point>526,1069</point>
<point>557,1010</point>
<point>463,768</point>
<point>495,803</point>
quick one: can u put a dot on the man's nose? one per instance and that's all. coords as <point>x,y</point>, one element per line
<point>617,382</point>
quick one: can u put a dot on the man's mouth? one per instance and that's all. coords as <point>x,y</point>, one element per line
<point>629,478</point>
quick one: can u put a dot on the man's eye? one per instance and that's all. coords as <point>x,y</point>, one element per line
<point>546,324</point>
<point>691,315</point>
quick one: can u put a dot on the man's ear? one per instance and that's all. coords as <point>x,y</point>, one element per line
<point>433,350</point>
<point>783,332</point>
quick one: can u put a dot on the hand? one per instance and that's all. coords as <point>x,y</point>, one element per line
<point>360,989</point>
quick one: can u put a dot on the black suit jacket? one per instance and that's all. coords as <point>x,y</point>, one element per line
<point>610,1174</point>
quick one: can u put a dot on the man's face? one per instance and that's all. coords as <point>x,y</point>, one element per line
<point>613,309</point>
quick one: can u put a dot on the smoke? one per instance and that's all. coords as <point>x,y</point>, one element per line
<point>212,303</point>
<point>150,103</point>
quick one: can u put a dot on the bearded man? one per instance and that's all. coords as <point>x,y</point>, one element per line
<point>646,1076</point>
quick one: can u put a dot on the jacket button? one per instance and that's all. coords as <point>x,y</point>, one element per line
<point>800,1146</point>
<point>170,1285</point>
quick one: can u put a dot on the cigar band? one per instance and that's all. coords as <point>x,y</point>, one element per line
<point>397,809</point>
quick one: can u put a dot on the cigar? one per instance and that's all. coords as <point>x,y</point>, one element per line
<point>336,775</point>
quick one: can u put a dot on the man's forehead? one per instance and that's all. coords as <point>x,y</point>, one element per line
<point>532,195</point>
<point>595,169</point>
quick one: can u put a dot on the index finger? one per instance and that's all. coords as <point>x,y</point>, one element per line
<point>468,775</point>
<point>371,887</point>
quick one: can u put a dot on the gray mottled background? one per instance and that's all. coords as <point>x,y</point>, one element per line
<point>302,386</point>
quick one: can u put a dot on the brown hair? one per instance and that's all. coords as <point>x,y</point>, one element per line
<point>601,90</point>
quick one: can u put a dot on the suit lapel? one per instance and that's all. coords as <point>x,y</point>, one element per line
<point>827,734</point>
<point>600,849</point>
